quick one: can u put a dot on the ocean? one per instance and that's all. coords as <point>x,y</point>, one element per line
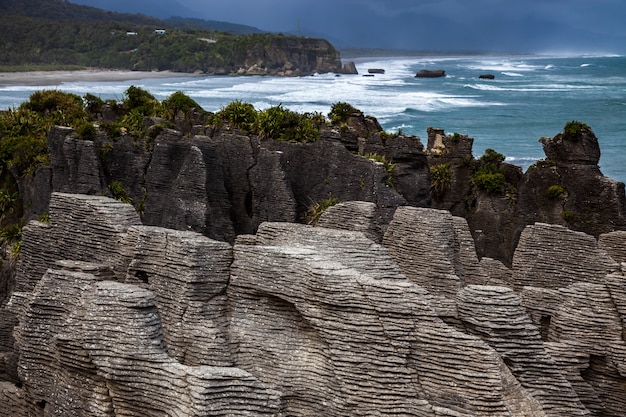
<point>530,97</point>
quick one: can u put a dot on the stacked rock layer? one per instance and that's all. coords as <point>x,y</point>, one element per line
<point>353,317</point>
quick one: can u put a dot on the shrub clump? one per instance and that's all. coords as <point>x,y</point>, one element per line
<point>238,114</point>
<point>315,212</point>
<point>440,179</point>
<point>283,124</point>
<point>573,128</point>
<point>341,111</point>
<point>177,103</point>
<point>490,176</point>
<point>556,191</point>
<point>139,100</point>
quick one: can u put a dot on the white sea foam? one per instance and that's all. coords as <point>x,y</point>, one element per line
<point>548,90</point>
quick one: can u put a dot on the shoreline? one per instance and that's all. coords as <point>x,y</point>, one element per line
<point>51,78</point>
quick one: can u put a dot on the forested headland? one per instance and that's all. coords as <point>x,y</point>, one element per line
<point>56,35</point>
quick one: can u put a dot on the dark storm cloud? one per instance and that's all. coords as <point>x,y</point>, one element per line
<point>480,25</point>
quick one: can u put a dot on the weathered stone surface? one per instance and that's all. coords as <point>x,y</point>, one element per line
<point>552,256</point>
<point>409,175</point>
<point>188,274</point>
<point>358,338</point>
<point>424,244</point>
<point>614,243</point>
<point>358,216</point>
<point>430,73</point>
<point>349,68</point>
<point>497,316</point>
<point>495,273</point>
<point>572,365</point>
<point>83,228</point>
<point>75,165</point>
<point>588,320</point>
<point>301,320</point>
<point>580,148</point>
<point>317,170</point>
<point>15,404</point>
<point>143,377</point>
<point>96,348</point>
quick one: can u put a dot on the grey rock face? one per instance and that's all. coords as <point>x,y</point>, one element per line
<point>614,243</point>
<point>192,300</point>
<point>75,164</point>
<point>301,320</point>
<point>497,316</point>
<point>425,244</point>
<point>579,148</point>
<point>552,256</point>
<point>365,341</point>
<point>358,216</point>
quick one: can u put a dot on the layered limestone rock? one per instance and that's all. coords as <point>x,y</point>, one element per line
<point>614,243</point>
<point>497,316</point>
<point>188,274</point>
<point>301,320</point>
<point>83,228</point>
<point>227,184</point>
<point>574,292</point>
<point>90,345</point>
<point>368,343</point>
<point>568,188</point>
<point>552,256</point>
<point>431,248</point>
<point>358,216</point>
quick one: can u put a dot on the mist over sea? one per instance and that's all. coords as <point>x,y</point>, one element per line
<point>530,97</point>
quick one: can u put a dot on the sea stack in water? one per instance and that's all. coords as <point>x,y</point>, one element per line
<point>430,73</point>
<point>349,68</point>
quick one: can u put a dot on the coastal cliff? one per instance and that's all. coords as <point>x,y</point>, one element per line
<point>307,267</point>
<point>49,35</point>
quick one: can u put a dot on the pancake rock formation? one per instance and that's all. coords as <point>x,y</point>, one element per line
<point>355,316</point>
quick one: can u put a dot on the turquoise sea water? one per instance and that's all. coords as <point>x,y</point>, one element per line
<point>530,97</point>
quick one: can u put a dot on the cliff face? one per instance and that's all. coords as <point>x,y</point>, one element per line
<point>565,188</point>
<point>421,293</point>
<point>228,183</point>
<point>111,317</point>
<point>282,55</point>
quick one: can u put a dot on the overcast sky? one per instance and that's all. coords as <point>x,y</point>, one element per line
<point>475,25</point>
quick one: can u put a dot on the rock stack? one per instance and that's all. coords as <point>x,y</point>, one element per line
<point>125,319</point>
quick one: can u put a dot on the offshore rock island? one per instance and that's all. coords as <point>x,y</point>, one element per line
<point>267,263</point>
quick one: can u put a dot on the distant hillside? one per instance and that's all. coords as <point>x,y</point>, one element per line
<point>62,11</point>
<point>54,34</point>
<point>191,23</point>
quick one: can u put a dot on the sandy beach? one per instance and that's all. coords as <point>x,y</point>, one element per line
<point>48,78</point>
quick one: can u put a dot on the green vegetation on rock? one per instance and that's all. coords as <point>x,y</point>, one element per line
<point>573,128</point>
<point>341,111</point>
<point>489,176</point>
<point>440,179</point>
<point>556,191</point>
<point>317,209</point>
